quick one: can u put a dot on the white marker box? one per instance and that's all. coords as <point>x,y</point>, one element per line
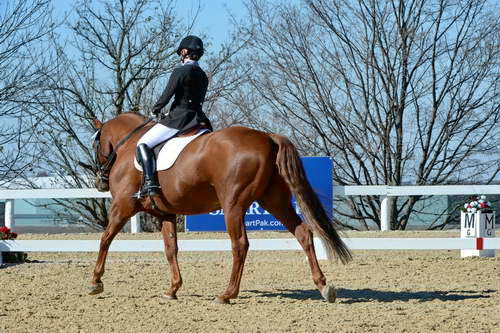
<point>477,225</point>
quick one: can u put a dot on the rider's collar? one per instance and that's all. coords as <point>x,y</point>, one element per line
<point>190,62</point>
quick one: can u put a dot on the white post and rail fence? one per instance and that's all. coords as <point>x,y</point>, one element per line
<point>385,193</point>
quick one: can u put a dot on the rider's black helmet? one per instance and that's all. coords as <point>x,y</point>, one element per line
<point>193,44</point>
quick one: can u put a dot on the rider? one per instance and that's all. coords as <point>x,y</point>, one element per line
<point>188,85</point>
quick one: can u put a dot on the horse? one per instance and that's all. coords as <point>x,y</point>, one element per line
<point>227,169</point>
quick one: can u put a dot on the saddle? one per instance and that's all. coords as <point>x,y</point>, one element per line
<point>166,152</point>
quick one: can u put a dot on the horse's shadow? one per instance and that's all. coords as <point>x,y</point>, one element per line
<point>370,295</point>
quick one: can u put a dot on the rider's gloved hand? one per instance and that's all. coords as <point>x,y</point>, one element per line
<point>156,113</point>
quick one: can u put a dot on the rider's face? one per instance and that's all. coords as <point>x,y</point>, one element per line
<point>184,53</point>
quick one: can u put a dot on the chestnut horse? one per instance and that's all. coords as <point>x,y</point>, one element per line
<point>227,169</point>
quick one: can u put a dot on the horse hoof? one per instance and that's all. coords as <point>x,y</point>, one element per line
<point>220,300</point>
<point>329,294</point>
<point>96,289</point>
<point>169,297</point>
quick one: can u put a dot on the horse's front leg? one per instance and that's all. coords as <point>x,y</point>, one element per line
<point>120,212</point>
<point>169,232</point>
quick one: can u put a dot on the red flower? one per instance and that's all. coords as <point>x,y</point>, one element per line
<point>4,230</point>
<point>13,235</point>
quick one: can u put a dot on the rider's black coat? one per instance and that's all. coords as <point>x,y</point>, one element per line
<point>188,84</point>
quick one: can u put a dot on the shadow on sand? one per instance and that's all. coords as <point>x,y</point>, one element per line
<point>370,295</point>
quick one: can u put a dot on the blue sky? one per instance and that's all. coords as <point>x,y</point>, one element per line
<point>213,19</point>
<point>214,16</point>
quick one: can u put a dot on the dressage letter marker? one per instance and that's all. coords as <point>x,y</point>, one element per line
<point>479,226</point>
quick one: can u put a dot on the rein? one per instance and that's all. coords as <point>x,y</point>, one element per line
<point>103,170</point>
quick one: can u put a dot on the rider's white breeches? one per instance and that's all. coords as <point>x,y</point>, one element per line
<point>157,134</point>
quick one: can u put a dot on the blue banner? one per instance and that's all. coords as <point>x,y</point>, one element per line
<point>318,172</point>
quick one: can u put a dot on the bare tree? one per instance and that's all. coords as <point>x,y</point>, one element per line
<point>116,60</point>
<point>397,92</point>
<point>23,26</point>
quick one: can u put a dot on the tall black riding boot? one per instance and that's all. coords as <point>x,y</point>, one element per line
<point>146,158</point>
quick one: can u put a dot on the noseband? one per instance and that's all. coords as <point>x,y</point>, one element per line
<point>102,171</point>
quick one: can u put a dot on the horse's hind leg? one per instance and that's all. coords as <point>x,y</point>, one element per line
<point>277,201</point>
<point>239,246</point>
<point>120,212</point>
<point>169,232</point>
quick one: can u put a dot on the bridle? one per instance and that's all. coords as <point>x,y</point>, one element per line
<point>103,170</point>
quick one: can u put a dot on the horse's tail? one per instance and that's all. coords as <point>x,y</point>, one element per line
<point>291,169</point>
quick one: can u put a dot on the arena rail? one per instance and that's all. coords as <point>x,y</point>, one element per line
<point>277,244</point>
<point>384,192</point>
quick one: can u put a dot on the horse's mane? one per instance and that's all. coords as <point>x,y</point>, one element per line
<point>127,119</point>
<point>132,115</point>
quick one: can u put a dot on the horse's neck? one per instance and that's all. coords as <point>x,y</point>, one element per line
<point>122,127</point>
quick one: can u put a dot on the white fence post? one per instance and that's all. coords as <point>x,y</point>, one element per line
<point>9,214</point>
<point>135,223</point>
<point>385,213</point>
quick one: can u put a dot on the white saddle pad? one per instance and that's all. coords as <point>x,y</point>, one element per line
<point>170,151</point>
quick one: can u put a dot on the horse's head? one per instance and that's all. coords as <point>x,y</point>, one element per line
<point>104,156</point>
<point>107,141</point>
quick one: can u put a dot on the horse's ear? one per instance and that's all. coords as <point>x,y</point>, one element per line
<point>97,123</point>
